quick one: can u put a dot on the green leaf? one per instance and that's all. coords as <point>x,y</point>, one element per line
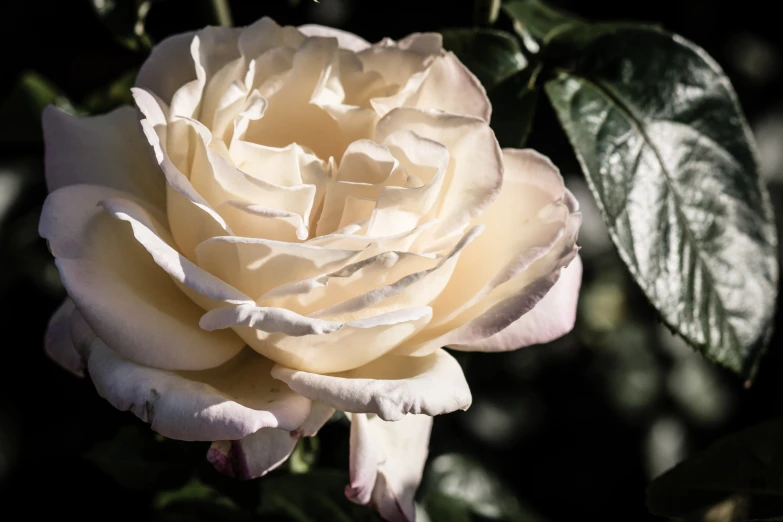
<point>110,97</point>
<point>456,488</point>
<point>513,108</point>
<point>304,456</point>
<point>190,491</point>
<point>20,112</point>
<point>669,157</point>
<point>136,460</point>
<point>125,19</point>
<point>485,11</point>
<point>493,56</point>
<point>312,497</point>
<point>537,22</point>
<point>737,479</point>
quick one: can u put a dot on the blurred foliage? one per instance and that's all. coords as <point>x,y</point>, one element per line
<point>737,479</point>
<point>572,430</point>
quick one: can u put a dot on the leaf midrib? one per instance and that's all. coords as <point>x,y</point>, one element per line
<point>636,122</point>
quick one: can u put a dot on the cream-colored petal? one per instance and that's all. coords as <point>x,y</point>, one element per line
<point>415,289</point>
<point>125,297</point>
<point>290,117</point>
<point>255,266</point>
<point>475,171</point>
<point>317,345</point>
<point>391,386</point>
<point>451,87</point>
<point>530,218</point>
<point>345,39</point>
<point>108,150</point>
<point>265,35</point>
<point>259,453</point>
<point>387,462</point>
<point>191,218</point>
<point>225,403</point>
<point>57,341</point>
<point>148,231</point>
<point>168,67</point>
<point>551,317</point>
<point>317,293</point>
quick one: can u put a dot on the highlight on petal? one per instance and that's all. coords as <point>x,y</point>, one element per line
<point>168,67</point>
<point>451,87</point>
<point>259,453</point>
<point>345,39</point>
<point>130,302</point>
<point>386,463</point>
<point>552,317</point>
<point>108,150</point>
<point>391,386</point>
<point>226,403</point>
<point>57,342</point>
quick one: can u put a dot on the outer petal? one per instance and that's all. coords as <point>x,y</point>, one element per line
<point>386,463</point>
<point>451,87</point>
<point>168,67</point>
<point>125,297</point>
<point>58,343</point>
<point>552,317</point>
<point>108,150</point>
<point>228,402</point>
<point>259,453</point>
<point>391,387</point>
<point>345,39</point>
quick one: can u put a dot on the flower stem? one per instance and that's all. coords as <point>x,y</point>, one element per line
<point>222,13</point>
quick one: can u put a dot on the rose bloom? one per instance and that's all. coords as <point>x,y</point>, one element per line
<point>293,221</point>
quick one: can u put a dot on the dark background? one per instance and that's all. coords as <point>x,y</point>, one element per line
<point>575,429</point>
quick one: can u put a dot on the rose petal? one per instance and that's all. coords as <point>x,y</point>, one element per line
<point>387,462</point>
<point>229,402</point>
<point>259,453</point>
<point>124,296</point>
<point>168,67</point>
<point>451,87</point>
<point>190,217</point>
<point>391,386</point>
<point>552,317</point>
<point>505,262</point>
<point>345,39</point>
<point>157,241</point>
<point>57,342</point>
<point>315,344</point>
<point>475,171</point>
<point>255,266</point>
<point>108,150</point>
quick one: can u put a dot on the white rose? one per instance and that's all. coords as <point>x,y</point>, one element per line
<point>296,221</point>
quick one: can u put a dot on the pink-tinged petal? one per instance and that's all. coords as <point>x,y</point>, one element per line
<point>386,463</point>
<point>345,39</point>
<point>126,297</point>
<point>550,318</point>
<point>108,150</point>
<point>391,386</point>
<point>57,342</point>
<point>451,87</point>
<point>225,403</point>
<point>168,67</point>
<point>260,452</point>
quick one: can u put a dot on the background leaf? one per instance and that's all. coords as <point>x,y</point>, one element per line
<point>739,478</point>
<point>667,153</point>
<point>457,487</point>
<point>537,22</point>
<point>491,55</point>
<point>125,20</point>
